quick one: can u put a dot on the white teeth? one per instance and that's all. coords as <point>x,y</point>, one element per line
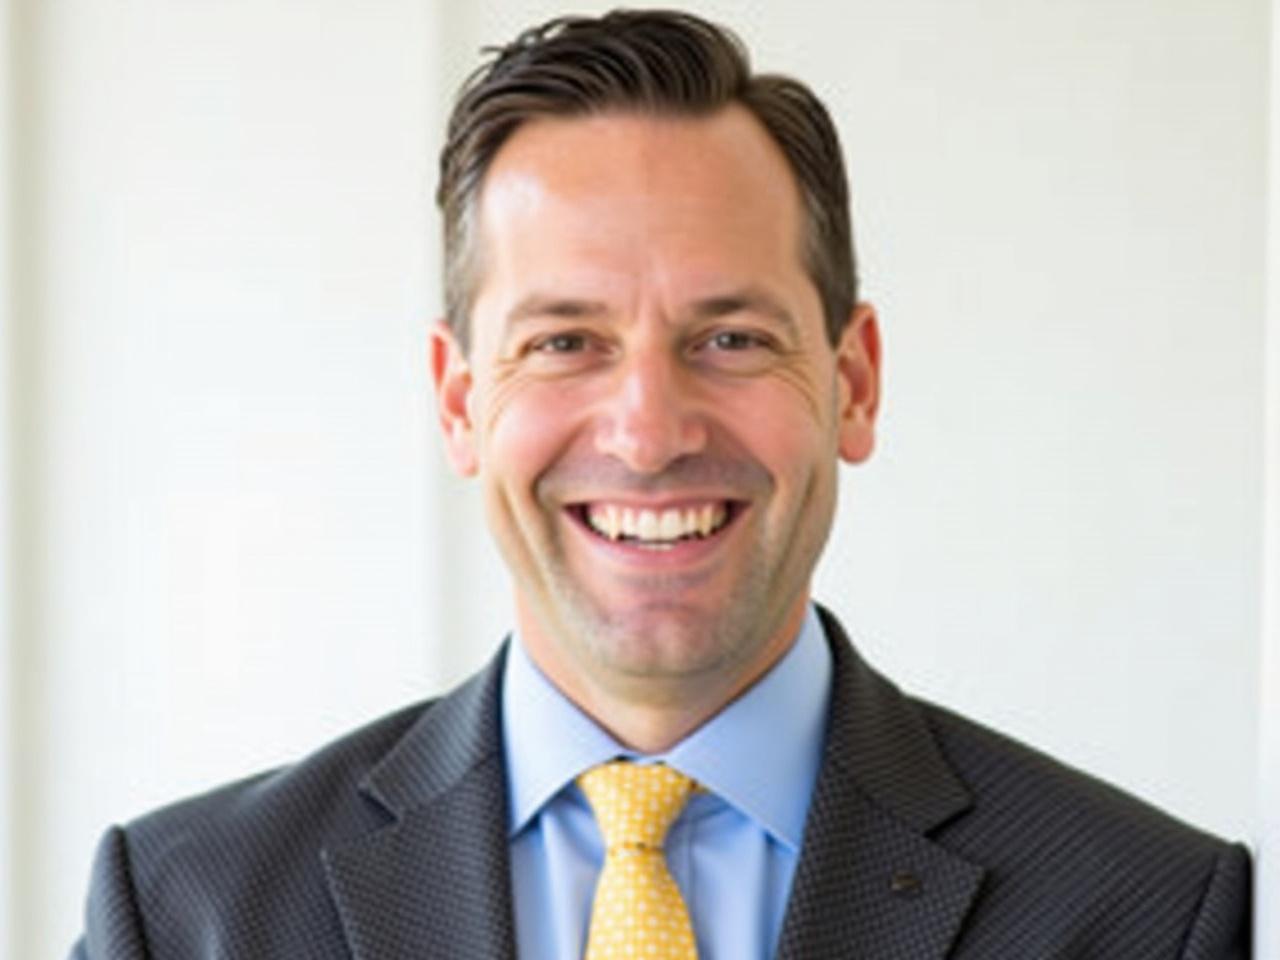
<point>654,527</point>
<point>705,519</point>
<point>647,528</point>
<point>672,525</point>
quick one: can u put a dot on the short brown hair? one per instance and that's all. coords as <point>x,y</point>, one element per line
<point>665,62</point>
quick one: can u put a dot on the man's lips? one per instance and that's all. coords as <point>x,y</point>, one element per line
<point>657,527</point>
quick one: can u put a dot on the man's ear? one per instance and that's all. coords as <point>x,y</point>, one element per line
<point>451,375</point>
<point>858,373</point>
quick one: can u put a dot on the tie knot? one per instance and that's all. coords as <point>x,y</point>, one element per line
<point>635,804</point>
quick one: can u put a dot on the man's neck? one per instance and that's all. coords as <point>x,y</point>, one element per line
<point>652,714</point>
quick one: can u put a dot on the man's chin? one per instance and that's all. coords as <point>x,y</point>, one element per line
<point>660,641</point>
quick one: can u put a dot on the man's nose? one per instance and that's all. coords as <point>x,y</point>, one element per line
<point>651,417</point>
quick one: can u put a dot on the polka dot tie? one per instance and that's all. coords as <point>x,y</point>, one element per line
<point>638,911</point>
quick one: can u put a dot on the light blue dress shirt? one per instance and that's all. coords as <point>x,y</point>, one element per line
<point>733,851</point>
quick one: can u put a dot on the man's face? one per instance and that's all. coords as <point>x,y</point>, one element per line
<point>651,402</point>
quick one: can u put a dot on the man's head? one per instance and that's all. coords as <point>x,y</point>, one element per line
<point>654,394</point>
<point>649,62</point>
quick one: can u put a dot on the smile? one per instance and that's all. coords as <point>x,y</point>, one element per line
<point>656,529</point>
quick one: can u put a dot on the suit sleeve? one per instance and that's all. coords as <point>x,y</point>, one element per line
<point>113,922</point>
<point>1222,926</point>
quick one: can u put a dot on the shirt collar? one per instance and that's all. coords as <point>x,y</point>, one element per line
<point>760,754</point>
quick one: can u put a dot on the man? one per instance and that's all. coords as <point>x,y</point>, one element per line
<point>654,359</point>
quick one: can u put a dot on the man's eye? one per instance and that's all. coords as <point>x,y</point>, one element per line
<point>561,343</point>
<point>735,340</point>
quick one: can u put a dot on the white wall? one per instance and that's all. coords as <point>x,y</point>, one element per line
<point>8,874</point>
<point>245,539</point>
<point>1267,922</point>
<point>232,282</point>
<point>1060,205</point>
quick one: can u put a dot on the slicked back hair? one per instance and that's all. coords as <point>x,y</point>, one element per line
<point>662,62</point>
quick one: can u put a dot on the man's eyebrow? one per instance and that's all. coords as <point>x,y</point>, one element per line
<point>746,300</point>
<point>544,305</point>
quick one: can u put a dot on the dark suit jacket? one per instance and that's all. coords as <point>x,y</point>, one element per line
<point>928,837</point>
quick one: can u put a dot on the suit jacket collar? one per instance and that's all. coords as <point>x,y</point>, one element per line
<point>436,880</point>
<point>870,882</point>
<point>877,739</point>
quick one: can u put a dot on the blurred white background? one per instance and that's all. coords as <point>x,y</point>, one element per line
<point>230,531</point>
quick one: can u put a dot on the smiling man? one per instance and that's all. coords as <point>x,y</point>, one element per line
<point>654,407</point>
<point>653,363</point>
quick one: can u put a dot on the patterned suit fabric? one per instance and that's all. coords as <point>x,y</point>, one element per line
<point>929,837</point>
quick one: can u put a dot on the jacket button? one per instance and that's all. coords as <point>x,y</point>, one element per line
<point>904,883</point>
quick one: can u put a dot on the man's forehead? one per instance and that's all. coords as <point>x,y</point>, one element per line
<point>619,209</point>
<point>636,153</point>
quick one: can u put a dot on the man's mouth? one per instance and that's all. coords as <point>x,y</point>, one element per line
<point>657,528</point>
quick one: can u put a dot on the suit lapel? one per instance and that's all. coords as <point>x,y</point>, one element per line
<point>870,882</point>
<point>435,882</point>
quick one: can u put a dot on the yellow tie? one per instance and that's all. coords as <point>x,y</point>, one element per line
<point>638,911</point>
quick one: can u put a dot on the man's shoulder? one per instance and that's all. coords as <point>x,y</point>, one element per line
<point>216,866</point>
<point>1009,778</point>
<point>909,751</point>
<point>1059,844</point>
<point>361,779</point>
<point>252,865</point>
<point>316,796</point>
